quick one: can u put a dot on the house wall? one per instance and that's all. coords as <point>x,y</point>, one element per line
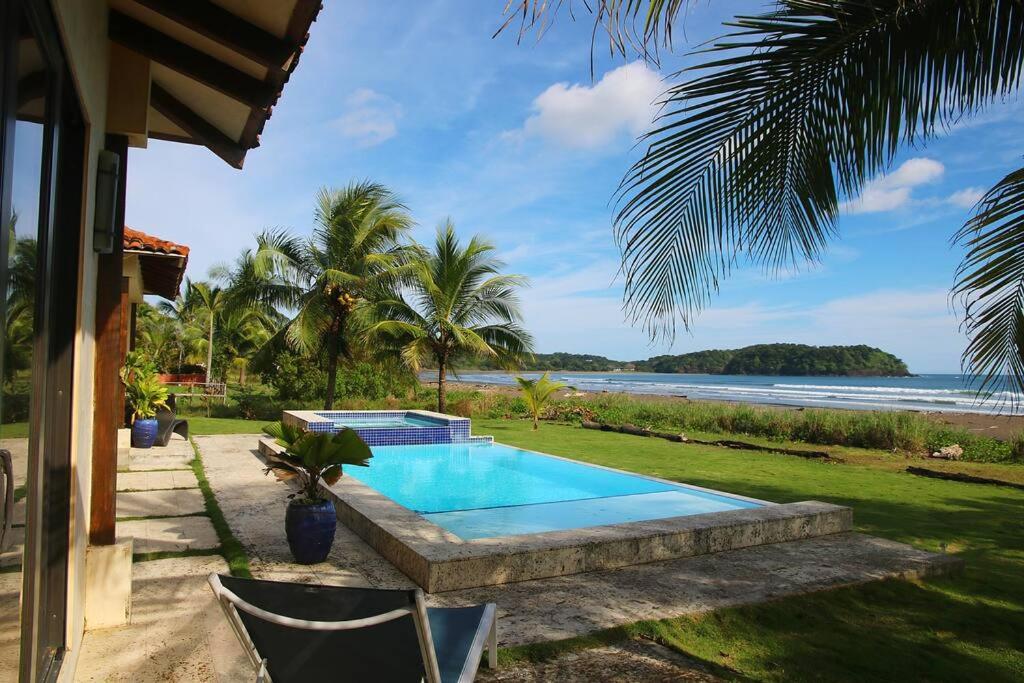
<point>83,25</point>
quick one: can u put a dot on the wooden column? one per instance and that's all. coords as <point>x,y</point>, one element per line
<point>126,321</point>
<point>107,390</point>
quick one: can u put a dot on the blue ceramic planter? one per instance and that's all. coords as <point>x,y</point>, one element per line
<point>144,433</point>
<point>310,529</point>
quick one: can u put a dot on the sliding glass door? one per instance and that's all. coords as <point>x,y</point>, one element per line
<point>41,164</point>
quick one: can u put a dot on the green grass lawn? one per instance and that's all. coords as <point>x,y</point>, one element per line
<point>969,627</point>
<point>201,426</point>
<point>963,628</point>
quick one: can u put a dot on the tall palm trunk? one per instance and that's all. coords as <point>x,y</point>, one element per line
<point>209,351</point>
<point>442,372</point>
<point>333,337</point>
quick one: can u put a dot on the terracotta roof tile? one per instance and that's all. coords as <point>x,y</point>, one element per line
<point>135,240</point>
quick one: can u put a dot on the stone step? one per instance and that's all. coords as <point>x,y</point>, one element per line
<point>176,455</point>
<point>172,534</point>
<point>165,503</point>
<point>150,481</point>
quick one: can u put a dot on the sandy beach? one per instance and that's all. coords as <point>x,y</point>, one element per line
<point>998,426</point>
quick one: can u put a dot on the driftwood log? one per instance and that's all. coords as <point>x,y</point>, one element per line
<point>724,443</point>
<point>956,476</point>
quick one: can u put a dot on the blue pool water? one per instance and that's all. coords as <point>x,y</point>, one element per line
<point>490,490</point>
<point>382,422</point>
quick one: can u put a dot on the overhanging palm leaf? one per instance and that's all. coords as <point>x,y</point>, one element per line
<point>990,283</point>
<point>793,110</point>
<point>748,159</point>
<point>641,26</point>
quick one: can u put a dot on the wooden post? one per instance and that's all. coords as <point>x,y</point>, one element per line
<point>126,345</point>
<point>107,411</point>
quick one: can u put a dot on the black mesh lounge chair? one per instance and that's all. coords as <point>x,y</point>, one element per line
<point>167,423</point>
<point>302,632</point>
<point>7,505</point>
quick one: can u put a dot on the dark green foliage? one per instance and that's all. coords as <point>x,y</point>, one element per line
<point>16,400</point>
<point>760,359</point>
<point>295,377</point>
<point>374,381</point>
<point>782,359</point>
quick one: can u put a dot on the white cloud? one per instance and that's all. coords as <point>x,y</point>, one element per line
<point>967,197</point>
<point>371,118</point>
<point>893,190</point>
<point>587,117</point>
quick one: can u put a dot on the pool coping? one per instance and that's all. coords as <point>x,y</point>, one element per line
<point>438,560</point>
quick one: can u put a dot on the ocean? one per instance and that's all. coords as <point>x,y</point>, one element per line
<point>922,392</point>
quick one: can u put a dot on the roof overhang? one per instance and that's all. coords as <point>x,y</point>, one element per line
<point>203,72</point>
<point>153,265</point>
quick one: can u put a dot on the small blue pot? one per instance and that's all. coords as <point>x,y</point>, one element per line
<point>144,432</point>
<point>310,528</point>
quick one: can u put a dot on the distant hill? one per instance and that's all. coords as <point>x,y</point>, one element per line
<point>782,359</point>
<point>760,359</point>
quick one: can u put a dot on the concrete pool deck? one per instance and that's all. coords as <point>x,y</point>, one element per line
<point>179,634</point>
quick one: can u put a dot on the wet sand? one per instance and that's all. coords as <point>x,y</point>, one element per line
<point>998,426</point>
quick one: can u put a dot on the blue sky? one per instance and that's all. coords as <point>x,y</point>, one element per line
<point>520,144</point>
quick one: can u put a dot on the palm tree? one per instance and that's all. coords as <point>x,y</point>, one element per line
<point>455,302</point>
<point>188,332</point>
<point>791,112</point>
<point>354,250</point>
<point>241,332</point>
<point>537,393</point>
<point>208,301</point>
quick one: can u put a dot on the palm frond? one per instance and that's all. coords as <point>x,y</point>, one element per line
<point>632,26</point>
<point>990,285</point>
<point>749,157</point>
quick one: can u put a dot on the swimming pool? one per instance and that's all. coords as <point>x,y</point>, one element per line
<point>454,510</point>
<point>488,490</point>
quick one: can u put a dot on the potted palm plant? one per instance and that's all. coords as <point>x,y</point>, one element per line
<point>309,458</point>
<point>145,394</point>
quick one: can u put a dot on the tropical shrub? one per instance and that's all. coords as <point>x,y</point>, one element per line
<point>293,376</point>
<point>536,393</point>
<point>145,394</point>
<point>314,457</point>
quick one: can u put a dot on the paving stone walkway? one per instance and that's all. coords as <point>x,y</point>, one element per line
<point>178,632</point>
<point>161,487</point>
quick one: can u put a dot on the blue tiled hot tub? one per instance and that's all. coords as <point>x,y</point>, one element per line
<point>388,427</point>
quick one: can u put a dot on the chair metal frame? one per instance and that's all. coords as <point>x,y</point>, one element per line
<point>231,603</point>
